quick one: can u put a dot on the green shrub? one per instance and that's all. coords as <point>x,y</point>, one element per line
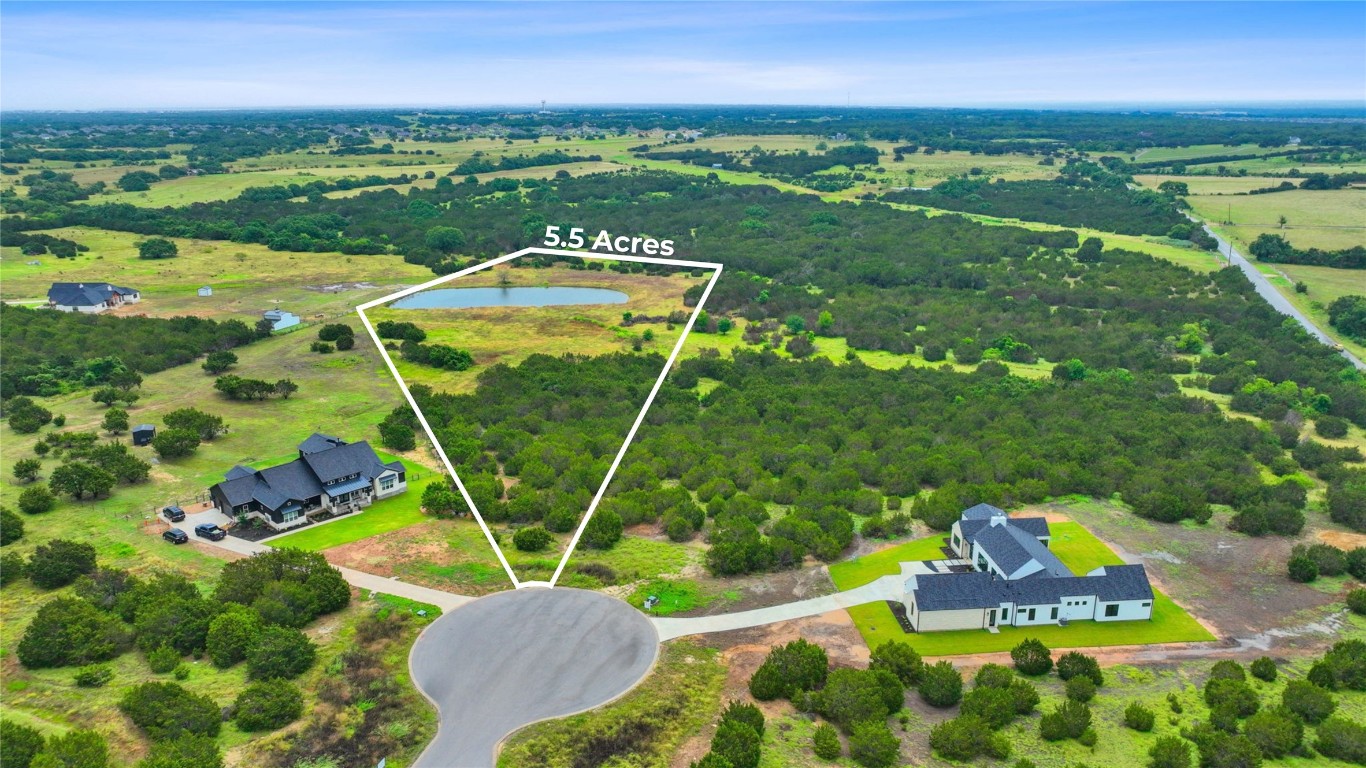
<point>185,751</point>
<point>941,685</point>
<point>70,632</point>
<point>1264,668</point>
<point>789,669</point>
<point>36,499</point>
<point>1356,601</point>
<point>163,659</point>
<point>1139,717</point>
<point>166,710</point>
<point>852,696</point>
<point>532,539</point>
<point>1074,663</point>
<point>1277,732</point>
<point>19,744</point>
<point>280,652</point>
<point>181,672</point>
<point>967,737</point>
<point>1227,670</point>
<point>603,530</point>
<point>737,743</point>
<point>900,659</point>
<point>1080,689</point>
<point>873,745</point>
<point>59,562</point>
<point>1169,752</point>
<point>1342,739</point>
<point>1032,658</point>
<point>13,566</point>
<point>1312,703</point>
<point>11,527</point>
<point>993,676</point>
<point>747,714</point>
<point>1068,720</point>
<point>231,635</point>
<point>73,749</point>
<point>1302,569</point>
<point>268,705</point>
<point>94,676</point>
<point>1234,694</point>
<point>826,742</point>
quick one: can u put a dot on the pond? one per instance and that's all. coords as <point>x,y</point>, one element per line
<point>549,296</point>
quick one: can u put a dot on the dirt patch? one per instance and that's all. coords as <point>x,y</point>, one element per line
<point>1051,515</point>
<point>1233,584</point>
<point>1342,539</point>
<point>384,555</point>
<point>744,593</point>
<point>743,650</point>
<point>339,287</point>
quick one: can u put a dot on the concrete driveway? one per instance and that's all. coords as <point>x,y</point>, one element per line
<point>514,658</point>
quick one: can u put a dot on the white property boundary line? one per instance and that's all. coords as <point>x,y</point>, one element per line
<point>640,417</point>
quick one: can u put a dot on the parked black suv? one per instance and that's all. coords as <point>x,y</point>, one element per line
<point>210,531</point>
<point>175,536</point>
<point>173,513</point>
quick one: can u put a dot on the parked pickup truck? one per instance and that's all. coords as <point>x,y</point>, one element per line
<point>210,531</point>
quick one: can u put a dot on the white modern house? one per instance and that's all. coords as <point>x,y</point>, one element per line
<point>1015,580</point>
<point>90,298</point>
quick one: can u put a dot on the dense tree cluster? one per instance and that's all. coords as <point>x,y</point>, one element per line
<point>47,353</point>
<point>1277,250</point>
<point>1083,196</point>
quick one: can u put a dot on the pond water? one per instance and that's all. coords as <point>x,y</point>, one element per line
<point>550,296</point>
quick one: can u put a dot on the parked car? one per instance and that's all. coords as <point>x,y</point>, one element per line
<point>175,536</point>
<point>210,531</point>
<point>173,513</point>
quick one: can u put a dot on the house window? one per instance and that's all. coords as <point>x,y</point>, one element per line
<point>1054,613</point>
<point>1031,614</point>
<point>292,514</point>
<point>1112,610</point>
<point>912,607</point>
<point>1147,605</point>
<point>1005,614</point>
<point>386,483</point>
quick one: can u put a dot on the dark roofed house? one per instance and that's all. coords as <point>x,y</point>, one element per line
<point>89,297</point>
<point>330,476</point>
<point>1018,581</point>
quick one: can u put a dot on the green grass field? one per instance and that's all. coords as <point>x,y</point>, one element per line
<point>380,518</point>
<point>1329,219</point>
<point>1197,151</point>
<point>246,278</point>
<point>1214,185</point>
<point>1072,543</point>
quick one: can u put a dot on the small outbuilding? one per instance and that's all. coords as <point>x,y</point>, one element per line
<point>143,434</point>
<point>206,290</point>
<point>280,319</point>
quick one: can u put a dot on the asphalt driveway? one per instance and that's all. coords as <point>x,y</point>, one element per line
<point>513,658</point>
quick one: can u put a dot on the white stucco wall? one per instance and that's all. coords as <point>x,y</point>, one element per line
<point>1129,610</point>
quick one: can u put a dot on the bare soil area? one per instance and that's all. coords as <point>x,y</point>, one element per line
<point>743,593</point>
<point>1234,584</point>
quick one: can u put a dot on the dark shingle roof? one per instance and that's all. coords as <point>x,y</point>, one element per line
<point>318,442</point>
<point>1036,526</point>
<point>343,461</point>
<point>323,460</point>
<point>84,294</point>
<point>1012,548</point>
<point>981,512</point>
<point>953,591</point>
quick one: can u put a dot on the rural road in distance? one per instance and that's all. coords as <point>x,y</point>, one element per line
<point>1273,297</point>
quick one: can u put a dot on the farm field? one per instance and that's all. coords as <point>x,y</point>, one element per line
<point>246,278</point>
<point>1196,151</point>
<point>1073,544</point>
<point>1215,185</point>
<point>1328,219</point>
<point>1325,285</point>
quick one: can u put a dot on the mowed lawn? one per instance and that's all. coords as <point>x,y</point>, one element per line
<point>1073,544</point>
<point>385,516</point>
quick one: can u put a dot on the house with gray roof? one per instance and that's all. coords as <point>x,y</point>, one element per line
<point>1017,581</point>
<point>90,298</point>
<point>330,476</point>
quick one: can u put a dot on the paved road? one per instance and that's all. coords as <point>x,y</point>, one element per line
<point>515,658</point>
<point>885,588</point>
<point>1273,297</point>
